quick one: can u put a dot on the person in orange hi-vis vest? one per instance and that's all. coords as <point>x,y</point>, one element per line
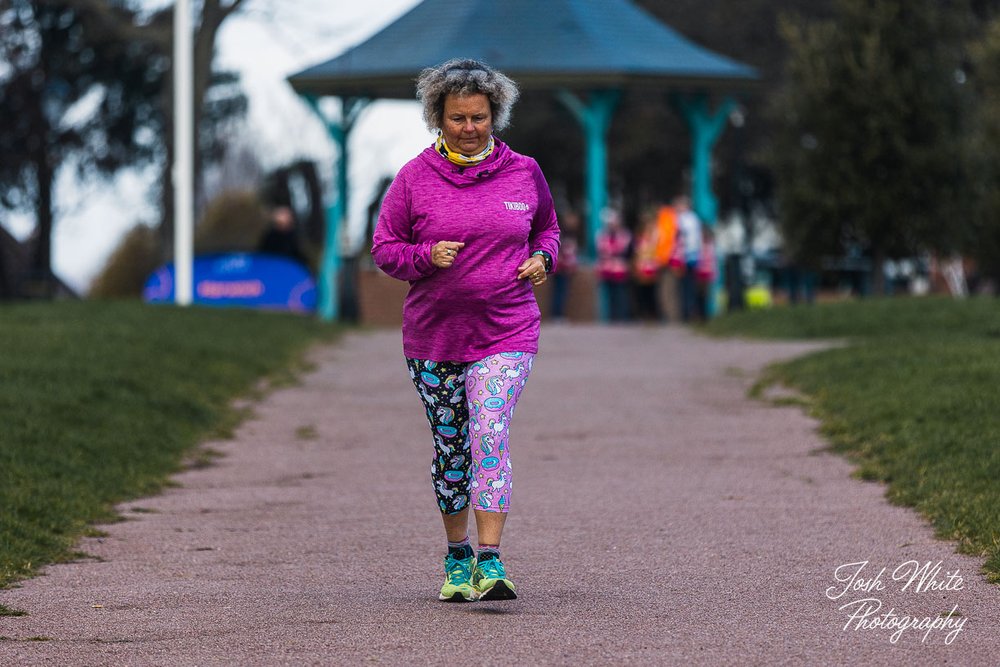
<point>666,220</point>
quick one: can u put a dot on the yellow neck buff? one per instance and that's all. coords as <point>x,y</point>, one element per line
<point>441,146</point>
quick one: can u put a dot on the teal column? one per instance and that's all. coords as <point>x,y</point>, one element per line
<point>706,127</point>
<point>339,130</point>
<point>594,116</point>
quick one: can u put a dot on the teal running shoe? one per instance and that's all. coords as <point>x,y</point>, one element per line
<point>458,580</point>
<point>491,582</point>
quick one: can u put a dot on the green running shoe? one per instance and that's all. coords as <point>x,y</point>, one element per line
<point>458,580</point>
<point>491,582</point>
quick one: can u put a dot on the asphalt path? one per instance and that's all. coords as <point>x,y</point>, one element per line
<point>659,517</point>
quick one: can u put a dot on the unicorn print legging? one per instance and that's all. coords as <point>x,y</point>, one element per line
<point>469,407</point>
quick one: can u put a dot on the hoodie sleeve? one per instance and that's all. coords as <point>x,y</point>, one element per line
<point>544,226</point>
<point>392,247</point>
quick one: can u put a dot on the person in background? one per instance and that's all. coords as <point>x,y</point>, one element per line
<point>689,251</point>
<point>706,270</point>
<point>281,237</point>
<point>569,226</point>
<point>646,268</point>
<point>471,225</point>
<point>614,246</point>
<point>667,288</point>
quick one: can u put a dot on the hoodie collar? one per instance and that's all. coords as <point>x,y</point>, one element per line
<point>499,159</point>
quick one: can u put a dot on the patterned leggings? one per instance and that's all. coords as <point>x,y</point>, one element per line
<point>471,456</point>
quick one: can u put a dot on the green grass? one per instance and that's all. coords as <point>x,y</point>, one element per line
<point>874,318</point>
<point>99,402</point>
<point>307,432</point>
<point>7,611</point>
<point>913,400</point>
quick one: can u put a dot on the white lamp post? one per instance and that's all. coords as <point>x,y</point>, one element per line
<point>183,169</point>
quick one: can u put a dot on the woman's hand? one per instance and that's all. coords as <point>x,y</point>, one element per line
<point>533,269</point>
<point>443,253</point>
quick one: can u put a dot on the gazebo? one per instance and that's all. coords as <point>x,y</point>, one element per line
<point>586,52</point>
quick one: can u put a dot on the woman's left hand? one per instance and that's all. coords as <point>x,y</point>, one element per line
<point>533,269</point>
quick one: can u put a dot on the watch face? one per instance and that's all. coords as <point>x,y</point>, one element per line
<point>546,259</point>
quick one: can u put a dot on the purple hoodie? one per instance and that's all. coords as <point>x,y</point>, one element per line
<point>502,210</point>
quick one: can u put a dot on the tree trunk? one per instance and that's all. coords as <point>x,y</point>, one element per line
<point>213,13</point>
<point>42,281</point>
<point>878,272</point>
<point>6,289</point>
<point>166,228</point>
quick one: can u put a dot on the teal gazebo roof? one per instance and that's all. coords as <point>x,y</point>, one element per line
<point>539,43</point>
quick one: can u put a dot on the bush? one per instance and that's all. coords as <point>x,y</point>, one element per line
<point>126,271</point>
<point>233,222</point>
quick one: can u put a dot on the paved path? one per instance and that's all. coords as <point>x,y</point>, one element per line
<point>659,518</point>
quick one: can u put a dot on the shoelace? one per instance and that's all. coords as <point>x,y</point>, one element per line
<point>458,571</point>
<point>492,569</point>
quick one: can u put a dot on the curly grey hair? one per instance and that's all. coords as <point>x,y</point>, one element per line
<point>465,77</point>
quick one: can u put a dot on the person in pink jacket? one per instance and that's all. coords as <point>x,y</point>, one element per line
<point>470,224</point>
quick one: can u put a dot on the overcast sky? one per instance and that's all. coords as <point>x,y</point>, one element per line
<point>265,42</point>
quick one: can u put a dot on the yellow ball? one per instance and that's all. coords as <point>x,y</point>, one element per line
<point>758,297</point>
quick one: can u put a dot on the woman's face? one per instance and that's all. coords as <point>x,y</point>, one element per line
<point>467,123</point>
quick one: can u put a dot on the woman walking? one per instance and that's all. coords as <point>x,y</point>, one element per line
<point>471,226</point>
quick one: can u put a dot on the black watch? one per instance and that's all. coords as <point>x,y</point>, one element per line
<point>546,257</point>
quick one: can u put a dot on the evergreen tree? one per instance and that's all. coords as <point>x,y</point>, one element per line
<point>68,95</point>
<point>86,84</point>
<point>870,155</point>
<point>983,240</point>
